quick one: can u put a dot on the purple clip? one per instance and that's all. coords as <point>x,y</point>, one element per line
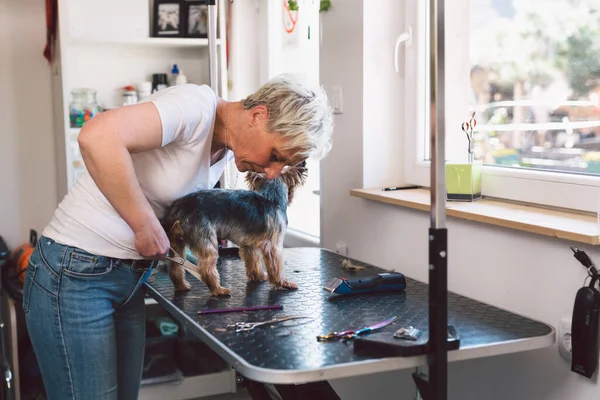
<point>241,309</point>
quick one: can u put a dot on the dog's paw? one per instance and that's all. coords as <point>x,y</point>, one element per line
<point>220,291</point>
<point>258,276</point>
<point>183,286</point>
<point>285,284</point>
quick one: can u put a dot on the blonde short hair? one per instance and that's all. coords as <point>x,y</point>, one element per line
<point>297,111</point>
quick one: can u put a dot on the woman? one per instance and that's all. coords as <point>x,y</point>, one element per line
<point>84,312</point>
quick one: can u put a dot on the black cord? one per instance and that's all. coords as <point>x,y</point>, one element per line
<point>585,260</point>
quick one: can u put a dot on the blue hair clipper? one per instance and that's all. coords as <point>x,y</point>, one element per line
<point>384,282</point>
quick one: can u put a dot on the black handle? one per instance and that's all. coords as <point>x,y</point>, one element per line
<point>584,259</point>
<point>584,332</point>
<point>4,253</point>
<point>387,278</point>
<point>33,237</point>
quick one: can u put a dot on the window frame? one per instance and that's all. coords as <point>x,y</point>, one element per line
<point>554,189</point>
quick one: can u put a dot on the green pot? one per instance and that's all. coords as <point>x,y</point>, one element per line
<point>464,181</point>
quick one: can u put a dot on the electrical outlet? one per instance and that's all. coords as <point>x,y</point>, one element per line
<point>341,248</point>
<point>564,339</point>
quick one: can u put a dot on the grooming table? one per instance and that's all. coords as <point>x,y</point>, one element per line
<point>291,358</point>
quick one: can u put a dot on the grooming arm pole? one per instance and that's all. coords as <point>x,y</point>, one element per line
<point>436,386</point>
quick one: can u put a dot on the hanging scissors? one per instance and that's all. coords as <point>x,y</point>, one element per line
<point>351,334</point>
<point>249,326</point>
<point>467,128</point>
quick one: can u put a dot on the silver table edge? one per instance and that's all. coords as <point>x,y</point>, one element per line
<point>356,368</point>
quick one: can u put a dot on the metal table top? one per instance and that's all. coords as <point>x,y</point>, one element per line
<point>285,354</point>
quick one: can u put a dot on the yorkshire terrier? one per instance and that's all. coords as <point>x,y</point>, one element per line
<point>255,220</point>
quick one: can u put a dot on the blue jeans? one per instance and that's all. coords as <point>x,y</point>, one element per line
<point>85,316</point>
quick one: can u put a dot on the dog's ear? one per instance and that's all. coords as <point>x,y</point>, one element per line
<point>294,177</point>
<point>254,180</point>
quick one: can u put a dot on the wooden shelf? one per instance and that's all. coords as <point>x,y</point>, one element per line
<point>150,41</point>
<point>149,301</point>
<point>567,225</point>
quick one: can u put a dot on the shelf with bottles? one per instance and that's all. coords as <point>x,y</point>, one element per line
<point>104,91</point>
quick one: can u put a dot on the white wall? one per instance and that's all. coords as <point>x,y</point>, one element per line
<point>27,159</point>
<point>383,93</point>
<point>244,71</point>
<point>528,274</point>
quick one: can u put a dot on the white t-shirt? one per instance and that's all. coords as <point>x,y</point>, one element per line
<point>85,219</point>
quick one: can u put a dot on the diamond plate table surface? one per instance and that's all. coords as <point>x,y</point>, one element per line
<point>290,353</point>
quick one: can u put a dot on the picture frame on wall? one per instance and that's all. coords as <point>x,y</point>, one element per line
<point>168,19</point>
<point>196,16</point>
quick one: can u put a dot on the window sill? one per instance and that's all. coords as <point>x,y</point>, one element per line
<point>567,225</point>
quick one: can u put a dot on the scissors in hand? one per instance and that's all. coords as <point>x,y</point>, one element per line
<point>249,326</point>
<point>187,265</point>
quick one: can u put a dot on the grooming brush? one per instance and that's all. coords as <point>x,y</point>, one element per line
<point>384,282</point>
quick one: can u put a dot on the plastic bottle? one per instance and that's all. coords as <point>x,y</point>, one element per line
<point>174,74</point>
<point>144,89</point>
<point>181,78</point>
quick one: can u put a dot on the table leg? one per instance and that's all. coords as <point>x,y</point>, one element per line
<point>313,391</point>
<point>257,390</point>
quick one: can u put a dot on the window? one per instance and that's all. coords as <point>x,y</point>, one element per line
<point>529,71</point>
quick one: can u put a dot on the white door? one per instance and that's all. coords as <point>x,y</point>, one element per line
<point>268,38</point>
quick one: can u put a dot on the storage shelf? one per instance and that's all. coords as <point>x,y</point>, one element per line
<point>151,42</point>
<point>149,301</point>
<point>191,387</point>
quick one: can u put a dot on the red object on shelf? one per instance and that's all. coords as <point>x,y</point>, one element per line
<point>51,18</point>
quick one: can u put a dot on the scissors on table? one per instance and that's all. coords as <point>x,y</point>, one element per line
<point>467,128</point>
<point>249,326</point>
<point>351,334</point>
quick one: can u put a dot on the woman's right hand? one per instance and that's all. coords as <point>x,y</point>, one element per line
<point>151,240</point>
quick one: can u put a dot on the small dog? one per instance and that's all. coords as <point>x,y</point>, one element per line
<point>255,220</point>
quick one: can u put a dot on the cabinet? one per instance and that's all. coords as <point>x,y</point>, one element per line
<point>106,46</point>
<point>186,382</point>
